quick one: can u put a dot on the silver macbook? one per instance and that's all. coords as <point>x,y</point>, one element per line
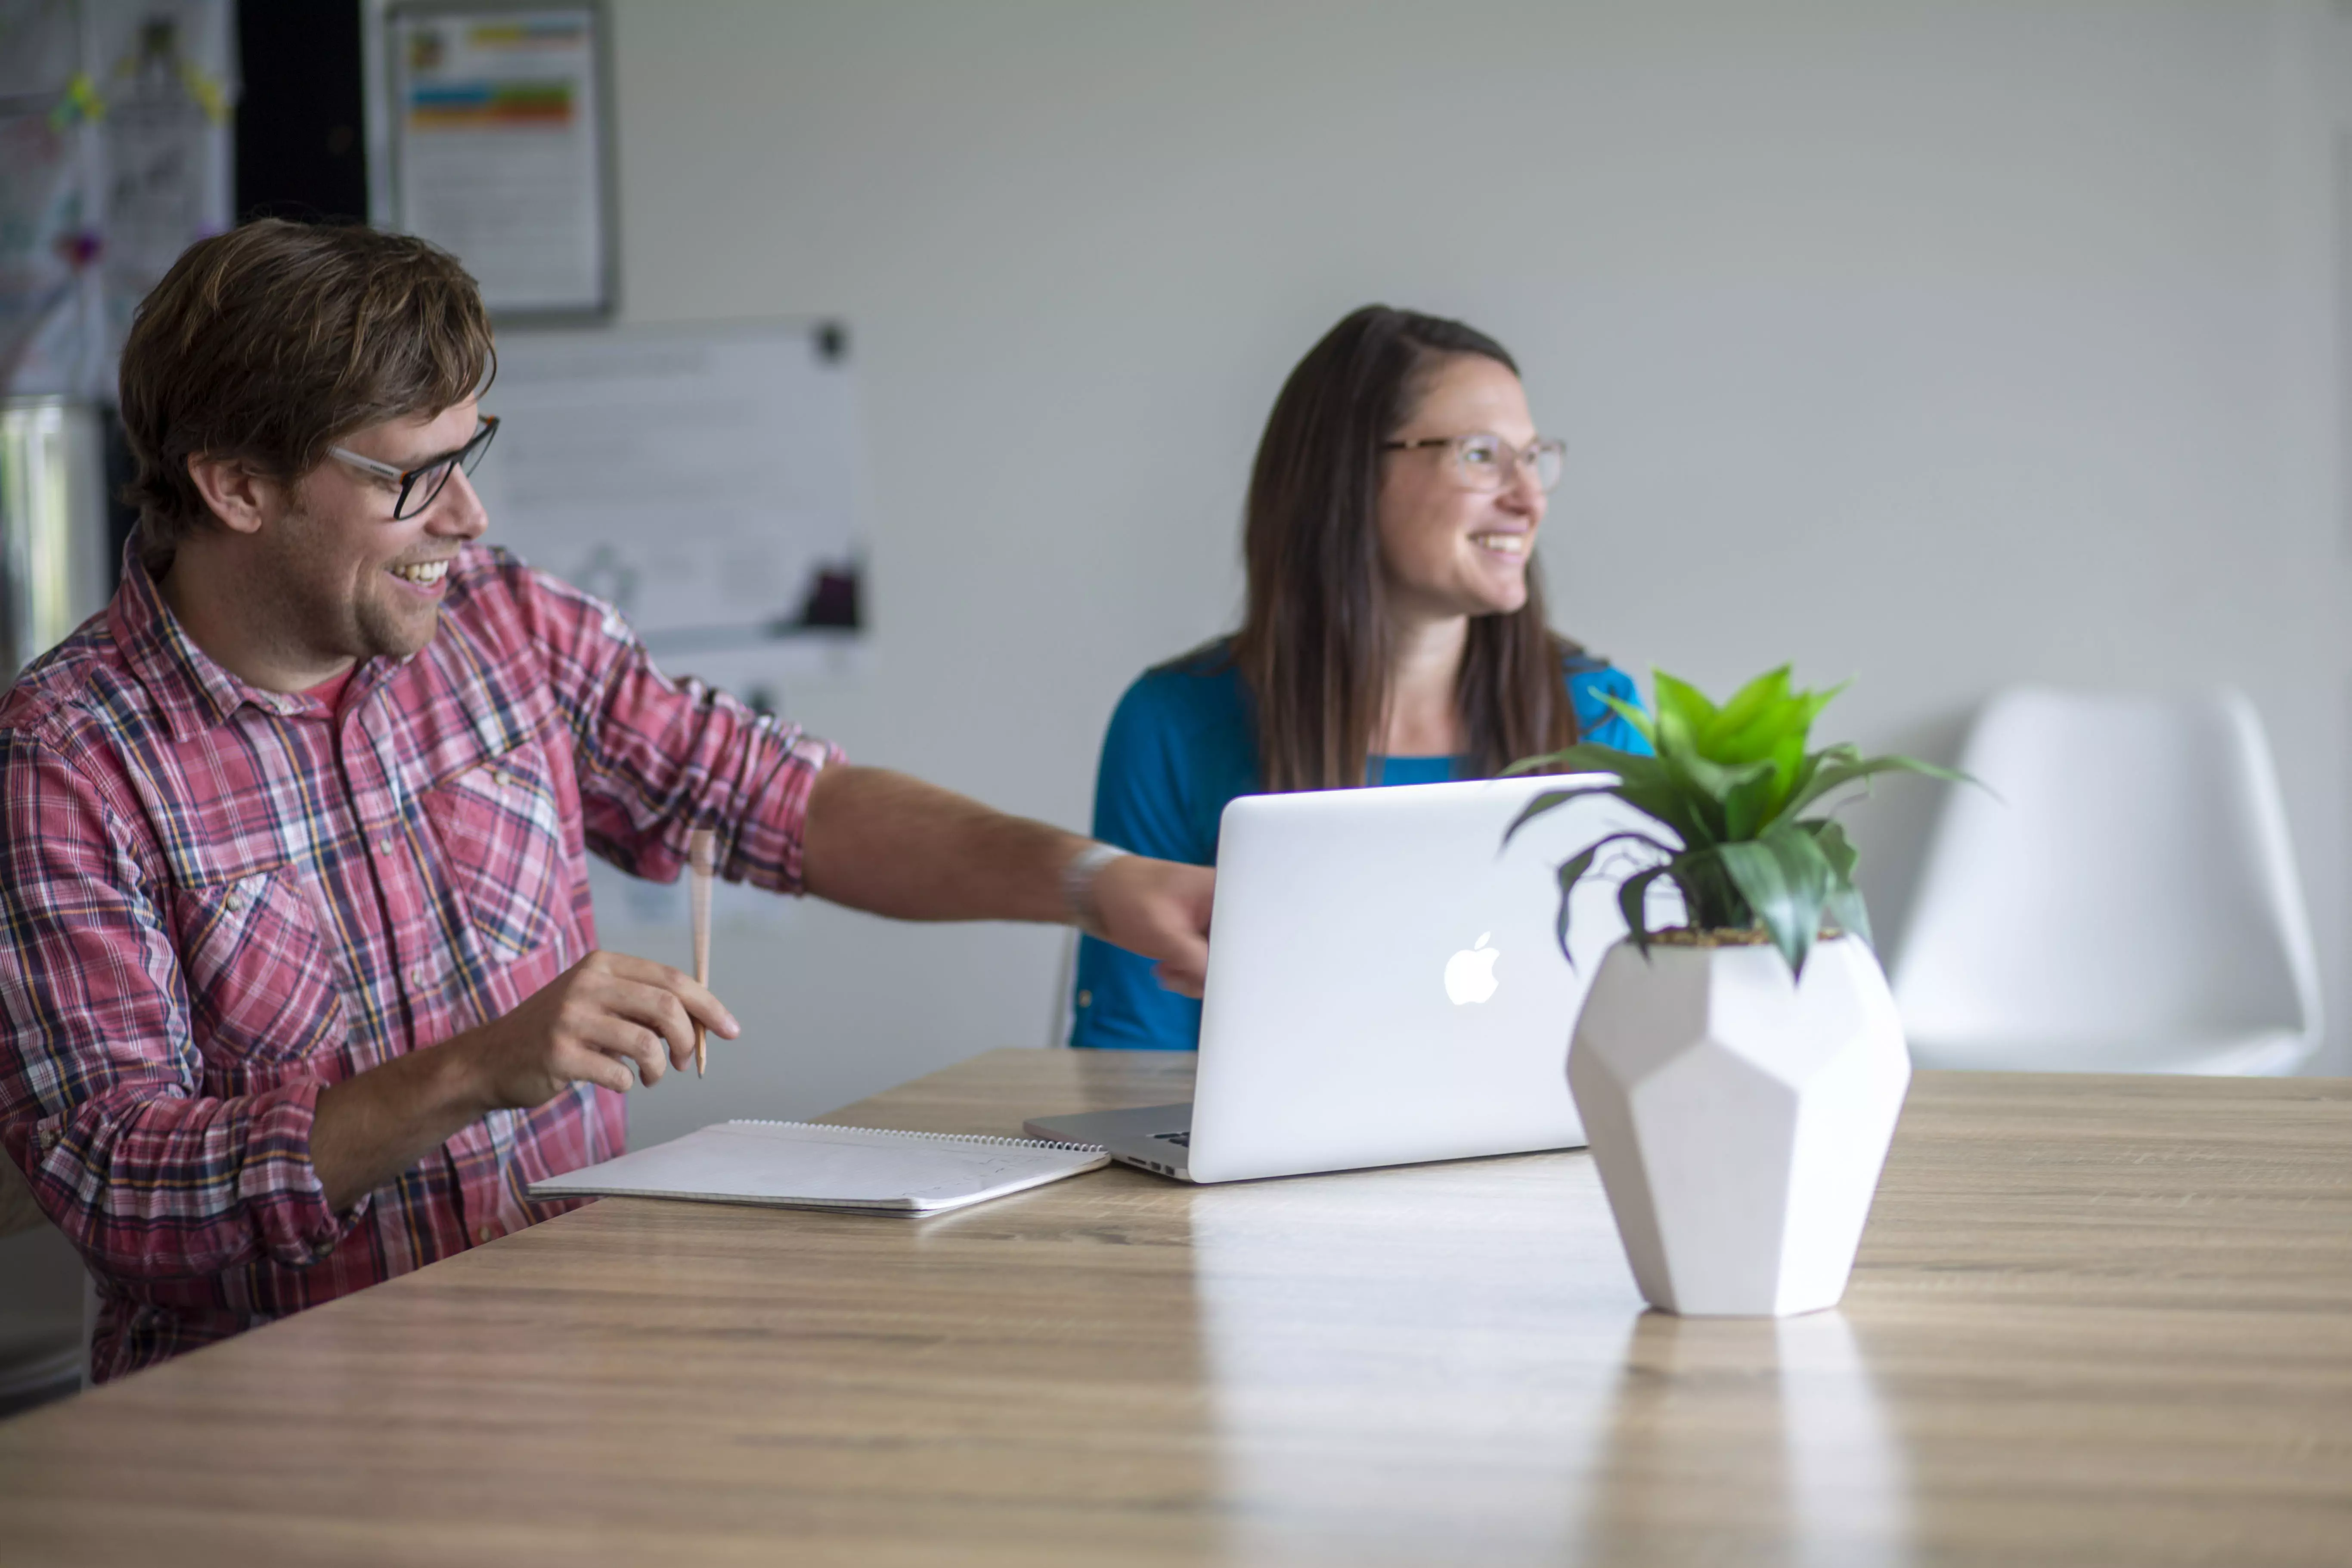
<point>1385,984</point>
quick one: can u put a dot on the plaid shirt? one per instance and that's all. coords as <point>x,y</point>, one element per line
<point>215,900</point>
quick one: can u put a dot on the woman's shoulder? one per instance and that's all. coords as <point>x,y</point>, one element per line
<point>1181,744</point>
<point>1592,682</point>
<point>1200,686</point>
<point>1589,676</point>
<point>1212,663</point>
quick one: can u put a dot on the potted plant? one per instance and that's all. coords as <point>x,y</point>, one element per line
<point>1740,1076</point>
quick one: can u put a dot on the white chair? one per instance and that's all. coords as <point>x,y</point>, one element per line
<point>2128,903</point>
<point>1066,980</point>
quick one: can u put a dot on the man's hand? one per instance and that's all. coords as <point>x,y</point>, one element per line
<point>592,1024</point>
<point>1160,909</point>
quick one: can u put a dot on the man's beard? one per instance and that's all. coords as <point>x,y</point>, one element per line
<point>299,587</point>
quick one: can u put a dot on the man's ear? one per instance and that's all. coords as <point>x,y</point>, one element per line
<point>242,500</point>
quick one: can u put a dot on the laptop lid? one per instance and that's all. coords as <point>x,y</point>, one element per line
<point>1385,983</point>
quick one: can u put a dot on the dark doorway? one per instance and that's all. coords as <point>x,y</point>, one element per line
<point>301,144</point>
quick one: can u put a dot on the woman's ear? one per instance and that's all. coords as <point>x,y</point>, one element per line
<point>242,500</point>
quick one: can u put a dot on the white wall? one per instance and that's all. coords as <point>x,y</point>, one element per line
<point>1935,344</point>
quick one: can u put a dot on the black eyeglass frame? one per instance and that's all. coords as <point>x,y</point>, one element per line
<point>467,456</point>
<point>1531,454</point>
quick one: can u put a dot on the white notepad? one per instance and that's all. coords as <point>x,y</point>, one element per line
<point>809,1166</point>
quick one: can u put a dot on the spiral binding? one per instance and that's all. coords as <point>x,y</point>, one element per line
<point>981,1138</point>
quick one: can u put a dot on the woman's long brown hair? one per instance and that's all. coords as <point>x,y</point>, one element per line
<point>1315,644</point>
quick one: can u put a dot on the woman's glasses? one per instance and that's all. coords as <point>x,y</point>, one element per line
<point>1488,462</point>
<point>420,484</point>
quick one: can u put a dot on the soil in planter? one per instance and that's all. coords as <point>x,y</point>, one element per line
<point>1755,936</point>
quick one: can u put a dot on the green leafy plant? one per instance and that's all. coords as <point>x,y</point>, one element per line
<point>1729,784</point>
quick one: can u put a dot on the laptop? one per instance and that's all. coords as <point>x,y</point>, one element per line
<point>1385,984</point>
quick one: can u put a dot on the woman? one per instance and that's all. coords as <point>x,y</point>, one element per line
<point>1394,632</point>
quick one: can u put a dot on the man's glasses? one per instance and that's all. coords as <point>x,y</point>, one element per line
<point>420,484</point>
<point>1488,462</point>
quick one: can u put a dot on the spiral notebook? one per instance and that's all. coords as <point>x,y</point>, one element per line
<point>810,1165</point>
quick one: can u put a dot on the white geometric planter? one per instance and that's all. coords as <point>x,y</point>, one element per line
<point>1739,1121</point>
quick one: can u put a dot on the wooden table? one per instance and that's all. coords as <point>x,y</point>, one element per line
<point>2094,1319</point>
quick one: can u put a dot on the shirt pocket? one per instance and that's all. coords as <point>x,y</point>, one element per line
<point>261,984</point>
<point>501,839</point>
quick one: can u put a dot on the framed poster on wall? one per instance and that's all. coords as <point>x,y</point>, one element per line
<point>497,127</point>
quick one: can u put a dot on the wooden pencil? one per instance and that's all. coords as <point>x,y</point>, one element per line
<point>700,856</point>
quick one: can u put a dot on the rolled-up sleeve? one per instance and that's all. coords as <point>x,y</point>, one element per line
<point>660,757</point>
<point>101,1082</point>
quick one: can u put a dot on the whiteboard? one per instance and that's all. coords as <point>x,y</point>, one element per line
<point>703,480</point>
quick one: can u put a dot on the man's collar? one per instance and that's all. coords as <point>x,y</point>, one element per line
<point>194,691</point>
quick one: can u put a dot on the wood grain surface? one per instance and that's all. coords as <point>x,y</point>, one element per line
<point>2097,1319</point>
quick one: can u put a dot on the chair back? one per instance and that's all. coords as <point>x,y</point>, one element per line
<point>2125,897</point>
<point>45,1320</point>
<point>18,1211</point>
<point>1066,980</point>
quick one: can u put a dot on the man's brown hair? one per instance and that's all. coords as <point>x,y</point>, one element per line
<point>271,342</point>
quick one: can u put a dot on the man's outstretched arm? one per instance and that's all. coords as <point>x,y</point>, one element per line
<point>895,846</point>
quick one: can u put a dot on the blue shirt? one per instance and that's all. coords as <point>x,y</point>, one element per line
<point>1183,742</point>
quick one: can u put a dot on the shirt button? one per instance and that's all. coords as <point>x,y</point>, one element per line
<point>485,1236</point>
<point>1086,998</point>
<point>384,848</point>
<point>420,977</point>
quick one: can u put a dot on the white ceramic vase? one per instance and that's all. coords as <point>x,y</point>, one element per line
<point>1739,1118</point>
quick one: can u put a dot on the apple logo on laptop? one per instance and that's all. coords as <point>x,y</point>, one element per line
<point>1470,974</point>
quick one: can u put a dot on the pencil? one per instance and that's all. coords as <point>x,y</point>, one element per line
<point>701,852</point>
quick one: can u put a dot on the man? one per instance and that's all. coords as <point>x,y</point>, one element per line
<point>298,987</point>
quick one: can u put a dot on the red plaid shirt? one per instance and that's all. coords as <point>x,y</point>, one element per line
<point>216,899</point>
